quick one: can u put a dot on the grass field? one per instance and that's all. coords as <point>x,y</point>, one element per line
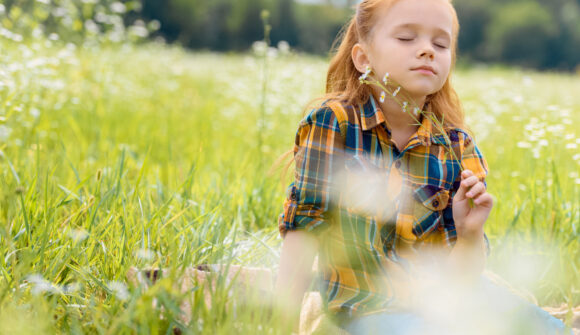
<point>151,156</point>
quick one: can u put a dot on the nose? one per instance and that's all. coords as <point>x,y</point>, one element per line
<point>426,51</point>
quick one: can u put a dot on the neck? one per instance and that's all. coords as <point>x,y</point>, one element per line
<point>397,119</point>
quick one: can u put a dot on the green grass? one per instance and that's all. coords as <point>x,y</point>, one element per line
<point>147,157</point>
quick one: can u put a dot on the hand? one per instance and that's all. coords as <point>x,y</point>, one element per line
<point>469,221</point>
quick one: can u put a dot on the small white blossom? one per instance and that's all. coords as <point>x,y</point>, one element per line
<point>405,105</point>
<point>4,133</point>
<point>397,91</point>
<point>118,8</point>
<point>386,78</point>
<point>78,235</point>
<point>383,96</point>
<point>145,254</point>
<point>365,75</point>
<point>119,290</point>
<point>416,111</point>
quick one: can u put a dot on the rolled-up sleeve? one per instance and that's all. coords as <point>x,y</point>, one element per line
<point>472,159</point>
<point>317,153</point>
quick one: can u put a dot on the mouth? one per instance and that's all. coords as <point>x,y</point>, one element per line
<point>425,69</point>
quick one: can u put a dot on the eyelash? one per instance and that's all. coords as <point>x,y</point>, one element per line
<point>410,39</point>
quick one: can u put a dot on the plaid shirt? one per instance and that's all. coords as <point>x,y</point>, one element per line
<point>372,205</point>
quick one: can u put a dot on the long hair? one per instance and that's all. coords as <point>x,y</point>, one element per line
<point>342,79</point>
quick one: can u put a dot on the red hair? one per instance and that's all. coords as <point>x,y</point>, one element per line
<point>342,79</point>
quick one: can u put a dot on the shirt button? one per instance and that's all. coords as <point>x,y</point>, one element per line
<point>435,203</point>
<point>398,164</point>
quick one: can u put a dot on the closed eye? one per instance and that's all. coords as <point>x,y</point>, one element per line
<point>404,39</point>
<point>439,45</point>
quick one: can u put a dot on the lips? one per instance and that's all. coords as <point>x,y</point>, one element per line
<point>425,68</point>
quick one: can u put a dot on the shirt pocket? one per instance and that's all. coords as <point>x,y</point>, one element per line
<point>428,204</point>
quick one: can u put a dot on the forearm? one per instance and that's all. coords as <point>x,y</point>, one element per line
<point>466,261</point>
<point>295,273</point>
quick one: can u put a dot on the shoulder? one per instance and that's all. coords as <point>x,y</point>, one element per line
<point>463,139</point>
<point>325,115</point>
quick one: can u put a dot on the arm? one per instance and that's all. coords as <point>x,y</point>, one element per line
<point>471,207</point>
<point>295,274</point>
<point>317,152</point>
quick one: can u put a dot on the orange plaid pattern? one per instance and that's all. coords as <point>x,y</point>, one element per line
<point>369,203</point>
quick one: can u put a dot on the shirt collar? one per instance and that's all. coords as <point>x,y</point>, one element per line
<point>372,116</point>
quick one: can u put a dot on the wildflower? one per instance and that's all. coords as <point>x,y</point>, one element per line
<point>365,75</point>
<point>78,235</point>
<point>383,96</point>
<point>40,285</point>
<point>405,105</point>
<point>416,111</point>
<point>397,91</point>
<point>145,254</point>
<point>386,78</point>
<point>119,290</point>
<point>4,133</point>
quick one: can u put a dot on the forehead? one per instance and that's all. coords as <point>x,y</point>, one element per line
<point>427,14</point>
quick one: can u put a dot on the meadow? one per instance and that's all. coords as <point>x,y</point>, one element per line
<point>151,156</point>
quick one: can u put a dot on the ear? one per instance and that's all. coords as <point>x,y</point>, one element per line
<point>360,58</point>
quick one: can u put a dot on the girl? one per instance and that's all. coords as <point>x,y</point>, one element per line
<point>393,207</point>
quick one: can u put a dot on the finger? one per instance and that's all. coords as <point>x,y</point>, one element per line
<point>475,190</point>
<point>466,174</point>
<point>485,200</point>
<point>464,187</point>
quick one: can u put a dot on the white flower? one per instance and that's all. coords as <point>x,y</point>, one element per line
<point>416,111</point>
<point>405,105</point>
<point>4,133</point>
<point>397,91</point>
<point>119,290</point>
<point>386,78</point>
<point>118,7</point>
<point>78,235</point>
<point>365,75</point>
<point>145,254</point>
<point>383,96</point>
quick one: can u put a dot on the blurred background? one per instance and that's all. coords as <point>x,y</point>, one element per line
<point>538,34</point>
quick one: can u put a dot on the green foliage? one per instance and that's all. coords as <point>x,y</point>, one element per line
<point>87,21</point>
<point>113,159</point>
<point>520,33</point>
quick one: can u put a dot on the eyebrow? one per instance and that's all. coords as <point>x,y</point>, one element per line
<point>414,25</point>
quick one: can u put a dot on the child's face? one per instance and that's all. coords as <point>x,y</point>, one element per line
<point>412,42</point>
